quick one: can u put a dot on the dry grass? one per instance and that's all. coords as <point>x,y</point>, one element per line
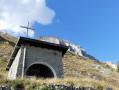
<point>70,75</point>
<point>9,37</point>
<point>7,43</point>
<point>81,68</point>
<point>5,50</point>
<point>76,71</point>
<point>77,81</point>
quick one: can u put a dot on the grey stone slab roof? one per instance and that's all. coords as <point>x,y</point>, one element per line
<point>36,43</point>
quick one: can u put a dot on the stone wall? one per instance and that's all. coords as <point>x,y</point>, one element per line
<point>50,87</point>
<point>16,69</point>
<point>13,70</point>
<point>36,55</point>
<point>48,57</point>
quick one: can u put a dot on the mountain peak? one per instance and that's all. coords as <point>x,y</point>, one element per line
<point>77,49</point>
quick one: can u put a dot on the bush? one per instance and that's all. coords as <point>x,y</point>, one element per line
<point>98,87</point>
<point>45,87</point>
<point>71,83</point>
<point>19,86</point>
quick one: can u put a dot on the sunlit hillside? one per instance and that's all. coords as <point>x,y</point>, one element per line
<point>78,71</point>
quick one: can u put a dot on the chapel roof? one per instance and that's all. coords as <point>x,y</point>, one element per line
<point>36,43</point>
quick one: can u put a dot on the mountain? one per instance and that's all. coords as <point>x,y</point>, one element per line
<point>77,49</point>
<point>78,70</point>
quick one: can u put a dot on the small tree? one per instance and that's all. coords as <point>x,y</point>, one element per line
<point>118,67</point>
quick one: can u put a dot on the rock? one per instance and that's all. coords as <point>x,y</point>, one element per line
<point>114,66</point>
<point>5,87</point>
<point>77,49</point>
<point>2,32</point>
<point>81,88</point>
<point>5,56</point>
<point>101,69</point>
<point>89,88</point>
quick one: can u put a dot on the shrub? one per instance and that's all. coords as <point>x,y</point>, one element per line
<point>70,83</point>
<point>45,87</point>
<point>19,86</point>
<point>33,87</point>
<point>98,87</point>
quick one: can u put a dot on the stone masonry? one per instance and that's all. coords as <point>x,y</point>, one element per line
<point>16,68</point>
<point>50,58</point>
<point>28,55</point>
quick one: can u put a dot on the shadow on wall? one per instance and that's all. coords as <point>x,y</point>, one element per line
<point>39,71</point>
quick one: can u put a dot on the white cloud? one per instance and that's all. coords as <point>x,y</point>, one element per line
<point>14,13</point>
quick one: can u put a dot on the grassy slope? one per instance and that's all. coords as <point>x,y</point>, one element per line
<point>7,43</point>
<point>83,69</point>
<point>77,71</point>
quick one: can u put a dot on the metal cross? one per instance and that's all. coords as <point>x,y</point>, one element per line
<point>27,27</point>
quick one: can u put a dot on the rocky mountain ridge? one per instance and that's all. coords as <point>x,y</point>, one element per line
<point>77,49</point>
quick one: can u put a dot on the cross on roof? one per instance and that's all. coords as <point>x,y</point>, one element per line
<point>27,27</point>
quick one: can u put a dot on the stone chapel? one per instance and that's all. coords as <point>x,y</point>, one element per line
<point>37,58</point>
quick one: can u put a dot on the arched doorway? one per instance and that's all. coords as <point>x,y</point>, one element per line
<point>39,70</point>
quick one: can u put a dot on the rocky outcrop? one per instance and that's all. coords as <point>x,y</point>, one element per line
<point>114,66</point>
<point>77,49</point>
<point>105,71</point>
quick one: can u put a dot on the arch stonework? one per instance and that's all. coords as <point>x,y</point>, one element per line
<point>40,63</point>
<point>50,58</point>
<point>30,51</point>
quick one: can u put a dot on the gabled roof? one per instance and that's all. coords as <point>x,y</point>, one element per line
<point>36,43</point>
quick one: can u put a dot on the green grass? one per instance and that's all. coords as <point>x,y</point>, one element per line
<point>3,61</point>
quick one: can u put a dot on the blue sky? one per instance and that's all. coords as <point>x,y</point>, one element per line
<point>93,24</point>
